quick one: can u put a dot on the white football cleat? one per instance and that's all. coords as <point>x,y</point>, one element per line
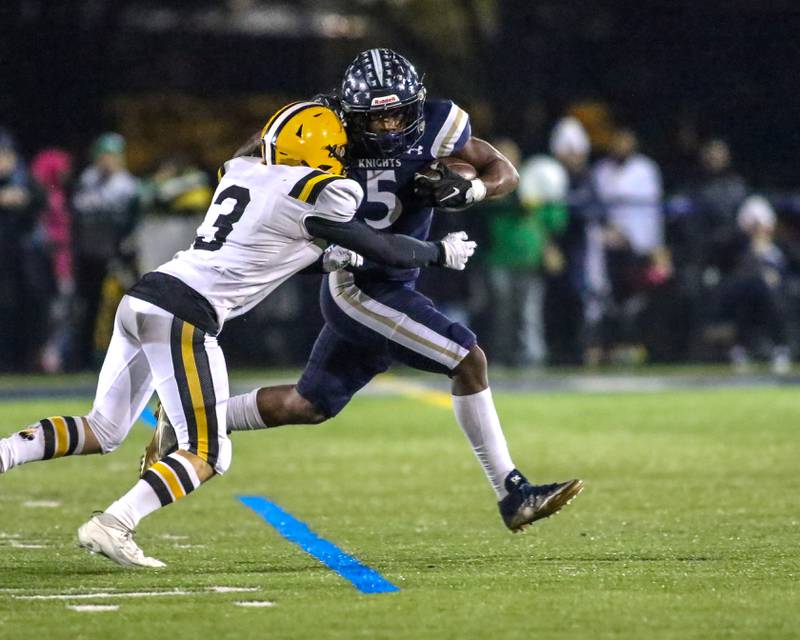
<point>106,535</point>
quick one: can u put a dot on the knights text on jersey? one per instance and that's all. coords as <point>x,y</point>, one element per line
<point>389,201</point>
<point>253,237</point>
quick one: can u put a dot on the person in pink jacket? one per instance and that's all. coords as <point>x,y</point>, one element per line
<point>52,168</point>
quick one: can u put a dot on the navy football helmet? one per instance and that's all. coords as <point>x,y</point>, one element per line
<point>381,82</point>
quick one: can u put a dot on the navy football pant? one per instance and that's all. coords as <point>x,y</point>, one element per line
<point>367,327</point>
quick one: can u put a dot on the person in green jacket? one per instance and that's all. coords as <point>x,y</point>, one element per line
<point>521,254</point>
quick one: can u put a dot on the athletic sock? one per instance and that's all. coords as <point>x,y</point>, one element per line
<point>243,414</point>
<point>478,420</point>
<point>52,437</point>
<point>168,480</point>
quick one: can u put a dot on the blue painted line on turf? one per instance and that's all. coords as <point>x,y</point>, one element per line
<point>361,576</point>
<point>148,417</point>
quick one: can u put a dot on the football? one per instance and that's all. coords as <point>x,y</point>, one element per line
<point>461,167</point>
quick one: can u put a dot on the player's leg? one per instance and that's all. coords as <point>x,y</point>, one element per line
<point>192,383</point>
<point>268,407</point>
<point>47,439</point>
<point>191,379</point>
<point>123,389</point>
<point>519,501</point>
<point>421,336</point>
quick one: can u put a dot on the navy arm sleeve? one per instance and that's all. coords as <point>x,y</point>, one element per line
<point>394,250</point>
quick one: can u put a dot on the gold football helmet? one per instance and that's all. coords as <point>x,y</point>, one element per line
<point>305,134</point>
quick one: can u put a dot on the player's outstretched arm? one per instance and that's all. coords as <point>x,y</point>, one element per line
<point>495,171</point>
<point>394,250</point>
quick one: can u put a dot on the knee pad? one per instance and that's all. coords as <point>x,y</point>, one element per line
<point>109,435</point>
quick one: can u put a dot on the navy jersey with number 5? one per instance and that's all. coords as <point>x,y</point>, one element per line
<point>389,202</point>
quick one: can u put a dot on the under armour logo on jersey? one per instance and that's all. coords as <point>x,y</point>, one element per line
<point>515,479</point>
<point>416,150</point>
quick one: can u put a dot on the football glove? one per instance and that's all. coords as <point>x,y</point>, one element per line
<point>456,250</point>
<point>440,186</point>
<point>335,258</point>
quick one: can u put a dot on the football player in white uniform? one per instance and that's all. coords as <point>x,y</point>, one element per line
<point>270,218</point>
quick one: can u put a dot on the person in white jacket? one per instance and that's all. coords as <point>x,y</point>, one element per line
<point>629,185</point>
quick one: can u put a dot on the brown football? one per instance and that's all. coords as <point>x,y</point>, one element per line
<point>461,167</point>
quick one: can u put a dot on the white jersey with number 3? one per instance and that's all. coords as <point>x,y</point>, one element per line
<point>253,237</point>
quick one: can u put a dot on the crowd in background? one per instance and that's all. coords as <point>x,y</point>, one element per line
<point>590,261</point>
<point>72,244</point>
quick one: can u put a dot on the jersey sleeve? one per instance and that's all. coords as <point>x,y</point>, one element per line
<point>453,130</point>
<point>338,200</point>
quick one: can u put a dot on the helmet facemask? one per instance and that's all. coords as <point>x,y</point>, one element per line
<point>365,142</point>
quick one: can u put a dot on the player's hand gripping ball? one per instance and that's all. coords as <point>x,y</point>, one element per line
<point>449,183</point>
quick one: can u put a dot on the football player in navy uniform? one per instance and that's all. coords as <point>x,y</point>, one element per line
<point>374,316</point>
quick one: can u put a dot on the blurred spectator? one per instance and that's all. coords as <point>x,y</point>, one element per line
<point>105,205</point>
<point>19,199</point>
<point>714,199</point>
<point>577,296</point>
<point>173,201</point>
<point>629,184</point>
<point>703,224</point>
<point>53,283</point>
<point>721,189</point>
<point>752,293</point>
<point>521,253</point>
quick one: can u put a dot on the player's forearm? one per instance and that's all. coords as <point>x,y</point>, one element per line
<point>499,177</point>
<point>393,250</point>
<point>495,170</point>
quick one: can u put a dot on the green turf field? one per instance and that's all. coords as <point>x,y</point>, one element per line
<point>688,528</point>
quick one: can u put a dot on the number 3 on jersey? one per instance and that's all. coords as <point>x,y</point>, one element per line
<point>381,186</point>
<point>223,225</point>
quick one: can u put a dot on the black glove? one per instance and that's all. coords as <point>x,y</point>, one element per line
<point>440,186</point>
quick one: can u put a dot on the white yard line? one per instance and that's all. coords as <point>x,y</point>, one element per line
<point>106,594</point>
<point>254,603</point>
<point>98,595</point>
<point>93,608</point>
<point>16,544</point>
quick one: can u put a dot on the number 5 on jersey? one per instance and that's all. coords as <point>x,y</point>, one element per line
<point>381,187</point>
<point>223,224</point>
